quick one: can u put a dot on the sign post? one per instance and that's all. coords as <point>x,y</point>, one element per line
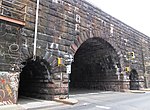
<point>68,61</point>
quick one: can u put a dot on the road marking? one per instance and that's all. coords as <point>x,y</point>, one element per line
<point>86,104</point>
<point>72,95</point>
<point>93,93</point>
<point>103,107</point>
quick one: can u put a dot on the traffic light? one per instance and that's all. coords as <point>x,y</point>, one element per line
<point>127,69</point>
<point>132,55</point>
<point>60,61</point>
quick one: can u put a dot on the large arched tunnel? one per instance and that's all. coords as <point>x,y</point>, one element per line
<point>94,66</point>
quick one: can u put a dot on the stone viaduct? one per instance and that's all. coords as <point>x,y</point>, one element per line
<point>108,54</point>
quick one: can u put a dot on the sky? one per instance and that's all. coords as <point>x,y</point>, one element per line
<point>134,13</point>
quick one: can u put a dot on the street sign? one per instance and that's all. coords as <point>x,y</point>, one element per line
<point>68,67</point>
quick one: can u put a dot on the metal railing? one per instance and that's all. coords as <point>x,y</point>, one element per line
<point>13,9</point>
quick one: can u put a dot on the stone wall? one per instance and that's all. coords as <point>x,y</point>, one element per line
<point>63,26</point>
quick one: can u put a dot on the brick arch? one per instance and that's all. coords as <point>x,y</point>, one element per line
<point>35,76</point>
<point>95,62</point>
<point>85,35</point>
<point>49,57</point>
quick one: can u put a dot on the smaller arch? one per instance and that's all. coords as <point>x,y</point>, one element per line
<point>34,77</point>
<point>134,80</point>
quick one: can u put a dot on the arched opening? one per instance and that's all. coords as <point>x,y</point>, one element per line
<point>134,80</point>
<point>34,77</point>
<point>95,66</point>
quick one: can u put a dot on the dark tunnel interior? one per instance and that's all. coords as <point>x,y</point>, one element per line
<point>94,66</point>
<point>33,77</point>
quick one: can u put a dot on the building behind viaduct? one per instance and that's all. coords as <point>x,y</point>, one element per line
<point>108,54</point>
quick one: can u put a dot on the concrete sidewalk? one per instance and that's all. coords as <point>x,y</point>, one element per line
<point>30,104</point>
<point>11,107</point>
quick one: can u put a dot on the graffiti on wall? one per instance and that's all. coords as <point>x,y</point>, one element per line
<point>9,82</point>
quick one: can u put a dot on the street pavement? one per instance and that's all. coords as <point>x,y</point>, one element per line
<point>98,100</point>
<point>89,100</point>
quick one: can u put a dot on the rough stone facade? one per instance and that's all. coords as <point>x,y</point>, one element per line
<point>68,27</point>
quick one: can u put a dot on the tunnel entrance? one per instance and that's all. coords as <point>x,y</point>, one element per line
<point>134,80</point>
<point>33,78</point>
<point>94,67</point>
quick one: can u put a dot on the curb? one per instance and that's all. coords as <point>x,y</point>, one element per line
<point>135,91</point>
<point>1,104</point>
<point>11,107</point>
<point>67,101</point>
<point>145,90</point>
